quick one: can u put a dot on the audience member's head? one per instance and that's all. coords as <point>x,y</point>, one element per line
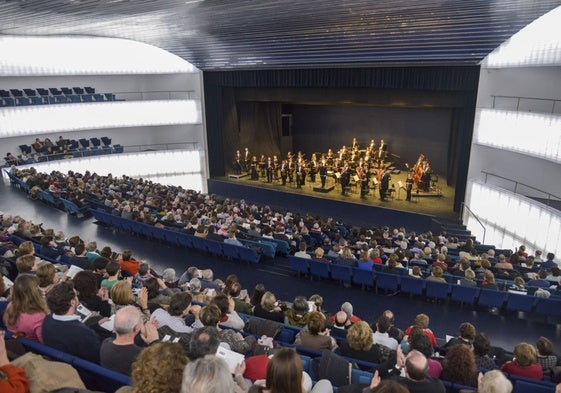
<point>467,331</point>
<point>46,274</point>
<point>179,304</point>
<point>284,372</point>
<point>481,345</point>
<point>86,284</point>
<point>25,263</point>
<point>494,381</point>
<point>416,365</point>
<point>159,369</point>
<point>121,293</point>
<point>360,337</point>
<point>208,374</point>
<point>26,298</point>
<point>460,366</point>
<point>62,298</point>
<point>544,346</point>
<point>525,354</point>
<point>204,341</point>
<point>316,323</point>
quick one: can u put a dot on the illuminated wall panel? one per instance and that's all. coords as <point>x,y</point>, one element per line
<point>511,219</point>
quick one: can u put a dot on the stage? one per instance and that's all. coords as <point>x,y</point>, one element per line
<point>416,214</point>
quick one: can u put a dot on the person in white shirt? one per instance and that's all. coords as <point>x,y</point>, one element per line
<point>179,307</point>
<point>302,253</point>
<point>381,335</point>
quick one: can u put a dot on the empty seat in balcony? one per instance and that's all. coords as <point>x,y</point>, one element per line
<point>73,144</point>
<point>42,92</point>
<point>54,91</point>
<point>74,98</point>
<point>110,96</point>
<point>61,100</point>
<point>21,101</point>
<point>98,97</point>
<point>16,92</point>
<point>9,102</point>
<point>96,142</point>
<point>84,142</point>
<point>25,149</point>
<point>89,90</point>
<point>51,100</point>
<point>106,141</point>
<point>87,98</point>
<point>78,90</point>
<point>30,92</point>
<point>4,94</point>
<point>66,91</point>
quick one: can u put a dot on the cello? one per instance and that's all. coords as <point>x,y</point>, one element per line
<point>418,169</point>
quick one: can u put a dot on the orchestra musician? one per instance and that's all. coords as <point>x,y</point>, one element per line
<point>276,168</point>
<point>290,168</point>
<point>283,171</point>
<point>313,168</point>
<point>355,144</point>
<point>246,159</point>
<point>322,170</point>
<point>253,168</point>
<point>382,150</point>
<point>362,173</point>
<point>238,163</point>
<point>269,168</point>
<point>300,174</point>
<point>409,185</point>
<point>384,179</point>
<point>262,165</point>
<point>426,176</point>
<point>345,179</point>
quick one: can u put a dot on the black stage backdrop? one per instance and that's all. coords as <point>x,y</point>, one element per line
<point>416,110</point>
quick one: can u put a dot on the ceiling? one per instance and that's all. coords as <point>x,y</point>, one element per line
<point>266,34</point>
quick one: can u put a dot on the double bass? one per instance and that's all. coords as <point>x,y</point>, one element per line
<point>418,169</point>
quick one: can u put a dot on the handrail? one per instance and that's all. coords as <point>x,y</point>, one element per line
<point>474,216</point>
<point>553,100</point>
<point>516,183</point>
<point>150,95</point>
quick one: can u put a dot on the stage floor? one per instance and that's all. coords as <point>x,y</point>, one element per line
<point>438,206</point>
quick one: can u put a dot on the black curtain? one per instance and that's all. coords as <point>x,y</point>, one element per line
<point>260,127</point>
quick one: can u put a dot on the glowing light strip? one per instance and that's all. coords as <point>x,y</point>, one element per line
<point>536,134</point>
<point>26,56</point>
<point>512,219</point>
<point>176,167</point>
<point>538,43</point>
<point>35,119</point>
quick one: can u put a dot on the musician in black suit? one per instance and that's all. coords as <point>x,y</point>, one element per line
<point>345,179</point>
<point>269,167</point>
<point>384,183</point>
<point>283,171</point>
<point>300,174</point>
<point>322,170</point>
<point>253,168</point>
<point>313,168</point>
<point>237,163</point>
<point>409,185</point>
<point>363,178</point>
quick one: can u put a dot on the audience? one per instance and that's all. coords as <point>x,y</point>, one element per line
<point>524,363</point>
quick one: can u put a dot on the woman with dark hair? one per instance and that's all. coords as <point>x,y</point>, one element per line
<point>315,336</point>
<point>465,337</point>
<point>298,314</point>
<point>228,315</point>
<point>546,355</point>
<point>285,375</point>
<point>27,309</point>
<point>258,293</point>
<point>210,316</point>
<point>459,366</point>
<point>482,351</point>
<point>158,293</point>
<point>90,294</point>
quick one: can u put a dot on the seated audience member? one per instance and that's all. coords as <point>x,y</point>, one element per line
<point>121,296</point>
<point>91,251</point>
<point>416,272</point>
<point>128,263</point>
<point>416,378</point>
<point>318,255</point>
<point>381,336</point>
<point>393,331</point>
<point>232,239</point>
<point>27,309</point>
<point>212,235</point>
<point>546,355</point>
<point>459,366</point>
<point>489,281</point>
<point>158,369</point>
<point>207,280</point>
<point>469,279</point>
<point>80,259</point>
<point>63,330</point>
<point>228,315</point>
<point>204,341</point>
<point>90,295</point>
<point>494,381</point>
<point>158,294</point>
<point>240,305</point>
<point>49,248</point>
<point>540,281</point>
<point>347,307</point>
<point>465,337</point>
<point>26,264</point>
<point>168,277</point>
<point>302,251</point>
<point>268,308</point>
<point>437,275</point>
<point>258,293</point>
<point>524,364</point>
<point>422,321</point>
<point>211,374</point>
<point>549,263</point>
<point>340,325</point>
<point>418,341</point>
<point>99,269</point>
<point>179,307</point>
<point>47,276</point>
<point>195,291</point>
<point>285,374</point>
<point>14,379</point>
<point>120,352</point>
<point>144,272</point>
<point>482,351</point>
<point>315,336</point>
<point>298,314</point>
<point>113,269</point>
<point>360,344</point>
<point>346,258</point>
<point>210,316</point>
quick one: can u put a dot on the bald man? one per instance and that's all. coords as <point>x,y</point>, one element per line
<point>416,379</point>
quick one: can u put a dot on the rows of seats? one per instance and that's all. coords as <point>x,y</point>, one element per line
<point>72,149</point>
<point>252,253</point>
<point>52,95</point>
<point>549,308</point>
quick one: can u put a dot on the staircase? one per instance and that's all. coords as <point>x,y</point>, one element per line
<point>454,228</point>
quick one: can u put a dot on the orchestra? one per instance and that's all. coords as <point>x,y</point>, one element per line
<point>347,165</point>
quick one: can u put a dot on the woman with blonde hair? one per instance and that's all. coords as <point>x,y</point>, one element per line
<point>524,363</point>
<point>27,308</point>
<point>360,344</point>
<point>269,308</point>
<point>121,296</point>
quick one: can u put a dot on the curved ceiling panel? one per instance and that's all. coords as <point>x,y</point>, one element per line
<point>243,34</point>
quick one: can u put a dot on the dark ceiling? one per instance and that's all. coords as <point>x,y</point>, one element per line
<point>260,34</point>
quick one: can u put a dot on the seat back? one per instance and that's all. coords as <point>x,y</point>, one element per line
<point>319,269</point>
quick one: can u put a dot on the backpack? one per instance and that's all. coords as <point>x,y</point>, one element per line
<point>333,367</point>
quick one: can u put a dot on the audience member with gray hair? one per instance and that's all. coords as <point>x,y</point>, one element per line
<point>120,352</point>
<point>211,375</point>
<point>494,381</point>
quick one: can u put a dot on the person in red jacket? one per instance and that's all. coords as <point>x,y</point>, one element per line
<point>524,363</point>
<point>15,380</point>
